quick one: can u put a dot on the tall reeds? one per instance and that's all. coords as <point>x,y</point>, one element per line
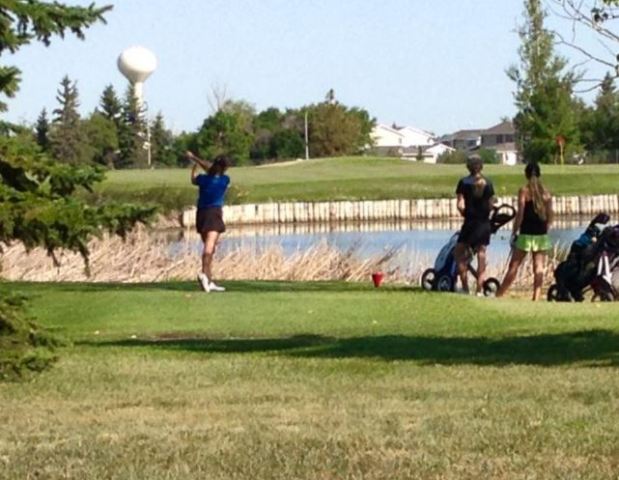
<point>145,257</point>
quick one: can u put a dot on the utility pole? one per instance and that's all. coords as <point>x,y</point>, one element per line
<point>306,138</point>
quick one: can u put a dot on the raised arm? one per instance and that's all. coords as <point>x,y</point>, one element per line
<point>197,160</point>
<point>194,174</point>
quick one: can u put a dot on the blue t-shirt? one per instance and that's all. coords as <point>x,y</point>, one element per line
<point>212,190</point>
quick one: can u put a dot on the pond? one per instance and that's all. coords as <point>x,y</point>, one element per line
<point>419,239</point>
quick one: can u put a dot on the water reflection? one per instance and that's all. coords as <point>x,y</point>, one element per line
<point>452,224</point>
<point>415,241</point>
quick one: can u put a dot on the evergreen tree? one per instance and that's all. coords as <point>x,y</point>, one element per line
<point>102,139</point>
<point>67,140</point>
<point>37,203</point>
<point>161,140</point>
<point>110,105</point>
<point>42,130</point>
<point>132,132</point>
<point>111,109</point>
<point>605,117</point>
<point>543,97</point>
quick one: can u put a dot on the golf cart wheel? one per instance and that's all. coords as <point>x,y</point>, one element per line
<point>606,297</point>
<point>427,279</point>
<point>445,283</point>
<point>553,293</point>
<point>491,286</point>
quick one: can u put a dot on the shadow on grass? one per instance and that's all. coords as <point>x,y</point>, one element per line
<point>250,286</point>
<point>591,347</point>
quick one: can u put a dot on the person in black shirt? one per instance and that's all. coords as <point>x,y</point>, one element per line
<point>475,196</point>
<point>530,230</point>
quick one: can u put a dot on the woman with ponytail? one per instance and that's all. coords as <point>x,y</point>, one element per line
<point>209,216</point>
<point>530,232</point>
<point>475,195</point>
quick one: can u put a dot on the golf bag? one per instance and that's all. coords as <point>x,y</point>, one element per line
<point>592,264</point>
<point>444,275</point>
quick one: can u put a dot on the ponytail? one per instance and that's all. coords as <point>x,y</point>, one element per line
<point>536,189</point>
<point>479,185</point>
<point>474,164</point>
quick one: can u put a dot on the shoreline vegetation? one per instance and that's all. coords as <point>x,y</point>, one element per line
<point>143,257</point>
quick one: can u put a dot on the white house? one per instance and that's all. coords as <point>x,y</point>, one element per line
<point>394,140</point>
<point>387,137</point>
<point>430,154</point>
<point>415,137</point>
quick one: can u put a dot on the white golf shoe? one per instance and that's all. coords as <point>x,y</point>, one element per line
<point>216,288</point>
<point>203,281</point>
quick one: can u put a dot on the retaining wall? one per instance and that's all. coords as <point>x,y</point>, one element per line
<point>345,211</point>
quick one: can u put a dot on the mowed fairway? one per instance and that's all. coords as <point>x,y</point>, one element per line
<point>314,381</point>
<point>353,178</point>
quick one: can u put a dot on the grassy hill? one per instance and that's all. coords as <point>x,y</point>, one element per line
<point>314,380</point>
<point>348,179</point>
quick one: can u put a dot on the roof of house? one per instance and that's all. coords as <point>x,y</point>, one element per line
<point>437,145</point>
<point>506,127</point>
<point>462,135</point>
<point>387,127</point>
<point>416,130</point>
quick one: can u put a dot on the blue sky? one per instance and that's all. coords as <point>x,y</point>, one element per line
<point>435,64</point>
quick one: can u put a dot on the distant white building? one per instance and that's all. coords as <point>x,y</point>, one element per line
<point>415,137</point>
<point>384,136</point>
<point>395,141</point>
<point>430,154</point>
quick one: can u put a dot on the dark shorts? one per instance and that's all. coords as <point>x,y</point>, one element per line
<point>210,219</point>
<point>475,233</point>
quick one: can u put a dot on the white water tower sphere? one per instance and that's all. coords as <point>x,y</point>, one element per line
<point>137,63</point>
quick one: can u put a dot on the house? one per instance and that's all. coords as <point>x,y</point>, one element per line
<point>416,137</point>
<point>427,154</point>
<point>394,140</point>
<point>463,139</point>
<point>502,139</point>
<point>431,153</point>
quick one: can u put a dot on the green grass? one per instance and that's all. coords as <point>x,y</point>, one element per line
<point>350,179</point>
<point>313,380</point>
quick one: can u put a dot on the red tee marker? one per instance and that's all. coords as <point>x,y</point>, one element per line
<point>377,278</point>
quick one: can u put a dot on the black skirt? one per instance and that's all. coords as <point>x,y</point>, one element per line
<point>210,219</point>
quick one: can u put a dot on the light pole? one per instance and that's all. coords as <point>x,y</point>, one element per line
<point>306,138</point>
<point>146,145</point>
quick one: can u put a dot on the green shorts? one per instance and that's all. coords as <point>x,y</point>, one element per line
<point>533,243</point>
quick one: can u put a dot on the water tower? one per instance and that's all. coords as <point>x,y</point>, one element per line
<point>136,64</point>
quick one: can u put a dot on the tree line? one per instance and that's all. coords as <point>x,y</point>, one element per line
<point>117,133</point>
<point>553,123</point>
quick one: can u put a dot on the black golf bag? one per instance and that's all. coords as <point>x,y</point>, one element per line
<point>592,264</point>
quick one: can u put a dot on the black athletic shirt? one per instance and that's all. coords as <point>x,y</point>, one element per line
<point>532,224</point>
<point>475,208</point>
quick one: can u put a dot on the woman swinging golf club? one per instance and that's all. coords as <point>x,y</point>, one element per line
<point>209,217</point>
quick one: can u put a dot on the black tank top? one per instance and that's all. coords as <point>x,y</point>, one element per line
<point>532,224</point>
